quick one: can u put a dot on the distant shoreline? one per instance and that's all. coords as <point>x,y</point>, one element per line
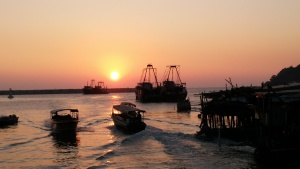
<point>61,91</point>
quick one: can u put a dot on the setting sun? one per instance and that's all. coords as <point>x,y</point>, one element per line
<point>114,75</point>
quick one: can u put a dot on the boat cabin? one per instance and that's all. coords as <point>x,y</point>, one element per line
<point>64,114</point>
<point>128,110</point>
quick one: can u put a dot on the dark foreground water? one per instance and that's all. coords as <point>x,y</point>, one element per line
<point>167,142</point>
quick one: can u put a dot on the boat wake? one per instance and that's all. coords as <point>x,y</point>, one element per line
<point>26,142</point>
<point>170,122</point>
<point>173,148</point>
<point>96,120</point>
<point>106,155</point>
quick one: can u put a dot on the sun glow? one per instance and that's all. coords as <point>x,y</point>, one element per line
<point>114,75</point>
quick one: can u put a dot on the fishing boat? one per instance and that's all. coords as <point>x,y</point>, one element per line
<point>64,119</point>
<point>94,88</point>
<point>8,120</point>
<point>172,88</point>
<point>126,116</point>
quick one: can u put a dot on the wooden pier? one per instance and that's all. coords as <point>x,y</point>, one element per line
<point>268,117</point>
<point>229,112</point>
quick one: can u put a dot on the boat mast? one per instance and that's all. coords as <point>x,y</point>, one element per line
<point>146,75</point>
<point>92,83</point>
<point>170,70</point>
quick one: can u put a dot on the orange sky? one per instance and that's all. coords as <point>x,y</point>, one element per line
<point>64,44</point>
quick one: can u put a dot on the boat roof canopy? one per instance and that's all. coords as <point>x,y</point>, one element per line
<point>58,110</point>
<point>126,109</point>
<point>128,104</point>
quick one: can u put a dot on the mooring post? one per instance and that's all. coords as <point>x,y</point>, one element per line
<point>219,136</point>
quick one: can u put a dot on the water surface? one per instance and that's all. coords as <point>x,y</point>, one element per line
<point>167,142</point>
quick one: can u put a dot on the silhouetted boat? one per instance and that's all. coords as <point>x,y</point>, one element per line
<point>149,90</point>
<point>95,89</point>
<point>128,117</point>
<point>184,105</point>
<point>8,120</point>
<point>64,119</point>
<point>10,96</point>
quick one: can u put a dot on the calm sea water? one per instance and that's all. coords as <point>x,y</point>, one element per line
<point>167,142</point>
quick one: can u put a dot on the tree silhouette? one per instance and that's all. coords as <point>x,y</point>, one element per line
<point>286,76</point>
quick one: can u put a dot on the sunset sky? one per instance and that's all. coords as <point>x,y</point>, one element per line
<point>62,44</point>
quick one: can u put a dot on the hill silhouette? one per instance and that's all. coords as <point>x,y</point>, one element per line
<point>286,76</point>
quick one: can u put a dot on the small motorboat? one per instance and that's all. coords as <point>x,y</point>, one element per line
<point>64,119</point>
<point>128,117</point>
<point>184,106</point>
<point>8,120</point>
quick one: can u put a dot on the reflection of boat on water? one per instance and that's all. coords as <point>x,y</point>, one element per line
<point>8,120</point>
<point>171,90</point>
<point>66,151</point>
<point>128,117</point>
<point>10,96</point>
<point>64,119</point>
<point>65,139</point>
<point>95,89</point>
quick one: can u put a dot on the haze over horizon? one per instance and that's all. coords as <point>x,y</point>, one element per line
<point>65,44</point>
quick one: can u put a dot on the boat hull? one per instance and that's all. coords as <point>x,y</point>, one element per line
<point>67,125</point>
<point>129,126</point>
<point>153,96</point>
<point>8,120</point>
<point>95,91</point>
<point>183,106</point>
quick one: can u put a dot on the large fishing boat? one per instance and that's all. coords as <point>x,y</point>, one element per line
<point>128,117</point>
<point>95,89</point>
<point>172,88</point>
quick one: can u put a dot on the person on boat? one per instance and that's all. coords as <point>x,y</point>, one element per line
<point>139,117</point>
